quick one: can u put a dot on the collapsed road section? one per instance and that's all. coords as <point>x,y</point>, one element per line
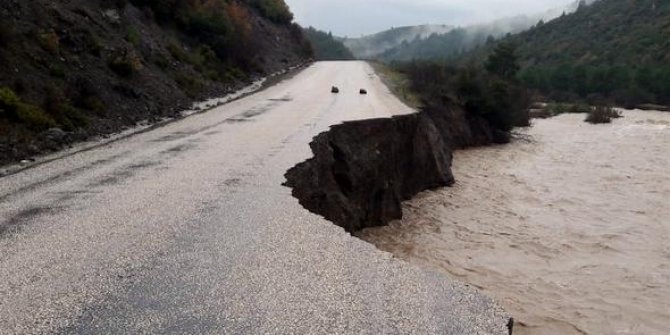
<point>363,170</point>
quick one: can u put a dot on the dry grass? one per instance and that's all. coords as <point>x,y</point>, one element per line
<point>398,84</point>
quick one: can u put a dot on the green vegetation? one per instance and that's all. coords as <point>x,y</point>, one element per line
<point>565,108</point>
<point>12,108</point>
<point>602,114</point>
<point>67,117</point>
<point>183,10</point>
<point>126,63</point>
<point>221,26</point>
<point>625,85</point>
<point>326,47</point>
<point>187,83</point>
<point>275,10</point>
<point>94,67</point>
<point>614,50</point>
<point>494,95</point>
<point>398,83</point>
<point>436,46</point>
<point>458,41</point>
<point>504,62</point>
<point>133,36</point>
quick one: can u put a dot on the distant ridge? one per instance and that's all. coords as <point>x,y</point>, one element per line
<point>372,45</point>
<point>442,41</point>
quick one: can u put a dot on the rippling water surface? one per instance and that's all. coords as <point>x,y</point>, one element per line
<point>569,229</point>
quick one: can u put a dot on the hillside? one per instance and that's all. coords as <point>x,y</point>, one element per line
<point>75,69</point>
<point>464,39</point>
<point>616,49</point>
<point>370,46</point>
<point>327,47</point>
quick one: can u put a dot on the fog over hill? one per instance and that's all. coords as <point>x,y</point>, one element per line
<point>373,45</point>
<point>439,41</point>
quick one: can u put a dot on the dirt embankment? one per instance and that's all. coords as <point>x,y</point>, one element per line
<point>82,68</point>
<point>362,171</point>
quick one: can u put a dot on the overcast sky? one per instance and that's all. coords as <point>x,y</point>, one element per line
<point>355,17</point>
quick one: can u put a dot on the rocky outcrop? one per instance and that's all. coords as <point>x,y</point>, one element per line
<point>363,170</point>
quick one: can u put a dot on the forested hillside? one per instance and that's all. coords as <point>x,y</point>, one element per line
<point>456,41</point>
<point>616,49</point>
<point>74,69</point>
<point>461,40</point>
<point>326,47</point>
<point>371,46</point>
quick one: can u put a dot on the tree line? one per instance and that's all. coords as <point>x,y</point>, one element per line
<point>491,92</point>
<point>326,46</point>
<point>624,85</point>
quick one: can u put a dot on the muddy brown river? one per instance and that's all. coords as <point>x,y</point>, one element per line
<point>568,227</point>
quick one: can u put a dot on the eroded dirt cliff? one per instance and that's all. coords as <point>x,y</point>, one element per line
<point>362,171</point>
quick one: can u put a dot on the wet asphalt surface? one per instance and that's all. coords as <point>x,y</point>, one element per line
<point>186,229</point>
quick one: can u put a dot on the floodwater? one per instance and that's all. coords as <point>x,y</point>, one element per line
<point>568,227</point>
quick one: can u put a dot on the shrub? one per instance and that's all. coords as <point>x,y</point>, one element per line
<point>275,10</point>
<point>12,108</point>
<point>8,101</point>
<point>503,103</point>
<point>133,36</point>
<point>126,63</point>
<point>558,108</point>
<point>564,108</point>
<point>602,114</point>
<point>60,108</point>
<point>92,103</point>
<point>164,10</point>
<point>50,42</point>
<point>203,59</point>
<point>34,117</point>
<point>178,52</point>
<point>190,85</point>
<point>93,43</point>
<point>580,108</point>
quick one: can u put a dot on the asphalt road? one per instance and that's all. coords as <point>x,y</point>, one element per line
<point>186,229</point>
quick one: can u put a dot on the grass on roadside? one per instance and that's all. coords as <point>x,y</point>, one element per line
<point>398,83</point>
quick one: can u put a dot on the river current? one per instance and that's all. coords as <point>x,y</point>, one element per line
<point>568,227</point>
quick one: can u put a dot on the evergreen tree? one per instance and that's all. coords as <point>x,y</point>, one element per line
<point>504,61</point>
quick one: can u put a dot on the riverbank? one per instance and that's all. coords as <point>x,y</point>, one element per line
<point>567,229</point>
